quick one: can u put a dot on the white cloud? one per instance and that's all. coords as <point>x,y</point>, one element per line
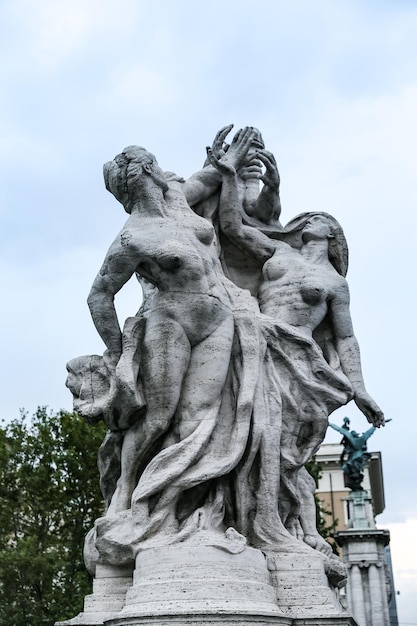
<point>50,32</point>
<point>47,322</point>
<point>404,559</point>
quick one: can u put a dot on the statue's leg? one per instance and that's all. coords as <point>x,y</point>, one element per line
<point>307,488</point>
<point>205,377</point>
<point>166,356</point>
<point>197,398</point>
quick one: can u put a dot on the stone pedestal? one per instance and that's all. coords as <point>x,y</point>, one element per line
<point>108,598</point>
<point>198,584</point>
<point>190,584</point>
<point>360,510</point>
<point>303,590</point>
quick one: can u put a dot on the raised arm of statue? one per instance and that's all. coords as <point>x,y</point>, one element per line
<point>204,183</point>
<point>368,434</point>
<point>340,430</point>
<point>268,206</point>
<point>249,239</point>
<point>219,147</point>
<point>201,185</point>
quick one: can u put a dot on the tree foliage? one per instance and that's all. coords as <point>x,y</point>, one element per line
<point>325,529</point>
<point>49,499</point>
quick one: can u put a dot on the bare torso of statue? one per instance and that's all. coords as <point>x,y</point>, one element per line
<point>296,291</point>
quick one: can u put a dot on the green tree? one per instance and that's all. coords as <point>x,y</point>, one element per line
<point>325,529</point>
<point>49,499</point>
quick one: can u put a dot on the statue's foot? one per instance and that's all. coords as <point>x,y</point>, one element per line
<point>275,538</point>
<point>317,542</point>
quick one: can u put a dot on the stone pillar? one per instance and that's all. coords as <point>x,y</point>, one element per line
<point>360,510</point>
<point>356,598</point>
<point>363,554</point>
<point>377,600</point>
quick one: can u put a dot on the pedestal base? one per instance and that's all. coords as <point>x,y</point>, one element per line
<point>108,598</point>
<point>303,591</point>
<point>192,584</point>
<point>228,619</point>
<point>197,584</point>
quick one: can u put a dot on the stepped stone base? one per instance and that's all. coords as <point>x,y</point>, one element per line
<point>326,621</point>
<point>108,598</point>
<point>303,591</point>
<point>199,585</point>
<point>236,619</point>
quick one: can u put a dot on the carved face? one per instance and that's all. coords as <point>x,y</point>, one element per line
<point>317,227</point>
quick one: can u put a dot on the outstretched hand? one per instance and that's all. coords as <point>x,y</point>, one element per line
<point>222,166</point>
<point>370,409</point>
<point>239,148</point>
<point>219,147</point>
<point>271,177</point>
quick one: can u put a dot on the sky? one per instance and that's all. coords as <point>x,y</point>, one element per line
<point>331,84</point>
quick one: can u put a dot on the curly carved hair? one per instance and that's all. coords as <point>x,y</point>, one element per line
<point>117,172</point>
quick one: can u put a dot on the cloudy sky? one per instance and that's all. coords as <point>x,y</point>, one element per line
<point>332,85</point>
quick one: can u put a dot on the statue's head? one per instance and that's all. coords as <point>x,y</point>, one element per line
<point>301,227</point>
<point>128,171</point>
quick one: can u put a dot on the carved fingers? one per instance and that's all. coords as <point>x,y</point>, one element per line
<point>239,148</point>
<point>370,409</point>
<point>271,177</point>
<point>219,147</point>
<point>221,165</point>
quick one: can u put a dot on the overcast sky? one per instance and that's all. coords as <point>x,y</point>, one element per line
<point>332,85</point>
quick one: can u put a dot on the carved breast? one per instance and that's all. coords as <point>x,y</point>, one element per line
<point>274,268</point>
<point>204,232</point>
<point>313,294</point>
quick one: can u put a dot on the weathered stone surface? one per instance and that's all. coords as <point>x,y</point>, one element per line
<point>108,598</point>
<point>197,579</point>
<point>302,586</point>
<point>217,392</point>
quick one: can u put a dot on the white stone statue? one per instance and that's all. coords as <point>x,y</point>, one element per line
<point>218,392</point>
<point>304,303</point>
<point>176,389</point>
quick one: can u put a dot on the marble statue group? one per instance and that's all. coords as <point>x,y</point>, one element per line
<point>217,392</point>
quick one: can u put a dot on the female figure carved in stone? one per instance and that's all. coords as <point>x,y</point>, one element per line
<point>304,304</point>
<point>166,374</point>
<point>190,316</point>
